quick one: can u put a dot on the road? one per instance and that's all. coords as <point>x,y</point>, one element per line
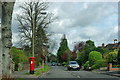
<point>61,72</point>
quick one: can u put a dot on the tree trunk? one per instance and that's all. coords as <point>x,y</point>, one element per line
<point>0,43</point>
<point>6,37</point>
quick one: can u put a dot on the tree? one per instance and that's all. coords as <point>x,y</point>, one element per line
<point>6,9</point>
<point>102,50</point>
<point>34,10</point>
<point>89,46</point>
<point>79,47</point>
<point>63,47</point>
<point>118,57</point>
<point>94,56</point>
<point>66,56</point>
<point>52,58</point>
<point>81,57</point>
<point>112,57</point>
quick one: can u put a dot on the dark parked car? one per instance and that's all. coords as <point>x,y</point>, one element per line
<point>53,64</point>
<point>73,65</point>
<point>58,64</point>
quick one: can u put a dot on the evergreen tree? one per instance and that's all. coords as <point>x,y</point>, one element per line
<point>89,46</point>
<point>63,47</point>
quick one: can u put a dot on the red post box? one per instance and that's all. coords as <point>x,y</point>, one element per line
<point>32,59</point>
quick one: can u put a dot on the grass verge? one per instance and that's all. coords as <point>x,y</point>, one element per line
<point>39,71</point>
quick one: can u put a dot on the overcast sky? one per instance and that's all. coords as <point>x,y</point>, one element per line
<point>80,21</point>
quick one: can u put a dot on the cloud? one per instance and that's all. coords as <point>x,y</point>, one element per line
<point>116,29</point>
<point>81,21</point>
<point>15,39</point>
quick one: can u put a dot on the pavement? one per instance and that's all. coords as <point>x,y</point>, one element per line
<point>112,73</point>
<point>21,74</point>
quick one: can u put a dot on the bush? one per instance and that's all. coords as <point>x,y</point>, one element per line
<point>65,63</point>
<point>118,66</point>
<point>86,65</point>
<point>18,56</point>
<point>94,56</point>
<point>112,57</point>
<point>97,65</point>
<point>104,63</point>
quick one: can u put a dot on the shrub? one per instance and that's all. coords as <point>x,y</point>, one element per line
<point>112,57</point>
<point>86,65</point>
<point>116,66</point>
<point>94,56</point>
<point>18,56</point>
<point>104,63</point>
<point>63,63</point>
<point>118,57</point>
<point>97,65</point>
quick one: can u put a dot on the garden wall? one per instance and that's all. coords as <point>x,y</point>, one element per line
<point>110,68</point>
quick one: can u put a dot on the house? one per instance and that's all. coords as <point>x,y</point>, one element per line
<point>113,46</point>
<point>19,48</point>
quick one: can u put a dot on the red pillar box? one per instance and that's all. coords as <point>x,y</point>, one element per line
<point>32,59</point>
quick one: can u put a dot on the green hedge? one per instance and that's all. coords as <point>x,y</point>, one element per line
<point>86,65</point>
<point>97,65</point>
<point>94,56</point>
<point>18,56</point>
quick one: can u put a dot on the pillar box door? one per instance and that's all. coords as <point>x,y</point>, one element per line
<point>32,59</point>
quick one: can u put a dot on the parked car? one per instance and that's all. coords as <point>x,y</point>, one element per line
<point>58,64</point>
<point>53,64</point>
<point>73,65</point>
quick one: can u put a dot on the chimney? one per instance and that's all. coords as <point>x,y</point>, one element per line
<point>102,44</point>
<point>115,41</point>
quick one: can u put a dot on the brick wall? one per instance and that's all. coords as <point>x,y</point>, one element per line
<point>110,68</point>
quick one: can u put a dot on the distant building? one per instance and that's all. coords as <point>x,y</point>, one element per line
<point>113,46</point>
<point>103,45</point>
<point>115,41</point>
<point>19,48</point>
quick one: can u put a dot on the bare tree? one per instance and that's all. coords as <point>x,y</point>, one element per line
<point>35,10</point>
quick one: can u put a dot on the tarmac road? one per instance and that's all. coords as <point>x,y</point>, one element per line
<point>58,72</point>
<point>61,72</point>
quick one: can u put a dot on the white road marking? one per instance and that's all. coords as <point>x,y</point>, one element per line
<point>78,76</point>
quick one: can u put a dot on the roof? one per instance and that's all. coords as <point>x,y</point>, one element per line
<point>19,48</point>
<point>112,46</point>
<point>109,46</point>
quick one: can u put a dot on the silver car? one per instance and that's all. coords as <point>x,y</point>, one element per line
<point>73,65</point>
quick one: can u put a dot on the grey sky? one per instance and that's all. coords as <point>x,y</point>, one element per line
<point>80,21</point>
